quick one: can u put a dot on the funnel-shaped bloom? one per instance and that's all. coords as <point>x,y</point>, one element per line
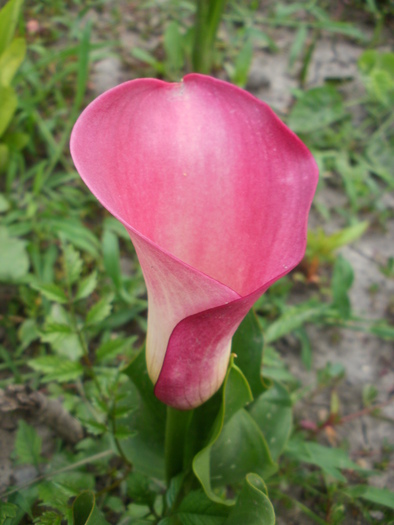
<point>214,191</point>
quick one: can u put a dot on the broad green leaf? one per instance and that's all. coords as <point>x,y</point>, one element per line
<point>240,449</point>
<point>146,449</point>
<point>86,286</point>
<point>236,394</point>
<point>253,506</point>
<point>197,509</point>
<point>56,368</point>
<point>316,109</point>
<point>9,15</point>
<point>85,511</point>
<point>14,262</point>
<point>99,311</point>
<point>8,103</point>
<point>52,291</point>
<point>27,444</point>
<point>247,346</point>
<point>381,496</point>
<point>11,59</point>
<point>273,413</point>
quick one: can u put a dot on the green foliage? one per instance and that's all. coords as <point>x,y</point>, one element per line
<point>14,261</point>
<point>73,300</point>
<point>323,247</point>
<point>27,445</point>
<point>85,511</point>
<point>12,53</point>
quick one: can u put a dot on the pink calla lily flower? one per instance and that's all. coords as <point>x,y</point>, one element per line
<point>214,191</point>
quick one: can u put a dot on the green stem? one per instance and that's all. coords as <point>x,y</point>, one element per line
<point>208,16</point>
<point>177,425</point>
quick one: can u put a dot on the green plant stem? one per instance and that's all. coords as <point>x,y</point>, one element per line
<point>208,16</point>
<point>177,425</point>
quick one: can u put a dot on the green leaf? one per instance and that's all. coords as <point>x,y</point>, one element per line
<point>27,444</point>
<point>4,204</point>
<point>11,59</point>
<point>14,262</point>
<point>330,460</point>
<point>16,140</point>
<point>236,444</point>
<point>240,449</point>
<point>253,506</point>
<point>7,510</point>
<point>342,280</point>
<point>85,511</point>
<point>243,63</point>
<point>51,291</point>
<point>110,349</point>
<point>4,154</point>
<point>8,104</point>
<point>72,263</point>
<point>9,16</point>
<point>111,257</point>
<point>274,366</point>
<point>377,70</point>
<point>293,318</point>
<point>55,495</point>
<point>247,346</point>
<point>173,46</point>
<point>144,56</point>
<point>56,368</point>
<point>86,286</point>
<point>99,311</point>
<point>315,109</point>
<point>58,328</point>
<point>197,509</point>
<point>76,233</point>
<point>298,44</point>
<point>146,449</point>
<point>59,332</point>
<point>274,415</point>
<point>377,495</point>
<point>49,517</point>
<point>323,246</point>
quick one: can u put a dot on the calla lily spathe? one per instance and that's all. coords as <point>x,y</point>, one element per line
<point>214,191</point>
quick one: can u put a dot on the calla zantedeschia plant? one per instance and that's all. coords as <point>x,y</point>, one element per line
<point>214,191</point>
